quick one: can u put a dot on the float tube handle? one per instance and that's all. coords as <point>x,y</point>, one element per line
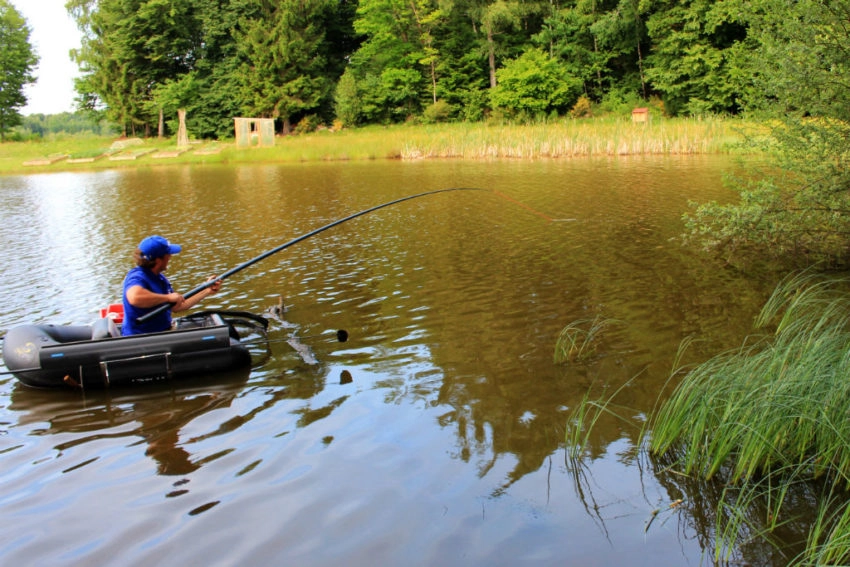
<point>268,253</point>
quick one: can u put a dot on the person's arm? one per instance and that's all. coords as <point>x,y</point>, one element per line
<point>185,304</point>
<point>143,298</point>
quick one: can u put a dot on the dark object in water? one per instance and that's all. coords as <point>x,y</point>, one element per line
<point>97,356</point>
<point>345,377</point>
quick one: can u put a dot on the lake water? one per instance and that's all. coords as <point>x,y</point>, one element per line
<point>436,434</point>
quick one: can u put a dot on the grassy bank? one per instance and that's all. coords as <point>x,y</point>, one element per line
<point>559,139</point>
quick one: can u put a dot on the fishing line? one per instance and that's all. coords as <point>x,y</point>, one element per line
<point>523,205</point>
<point>265,255</point>
<point>530,209</point>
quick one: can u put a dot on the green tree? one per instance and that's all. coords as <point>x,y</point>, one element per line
<point>567,34</point>
<point>427,17</point>
<point>695,44</point>
<point>798,206</point>
<point>494,19</point>
<point>129,47</point>
<point>215,58</point>
<point>397,49</point>
<point>602,43</point>
<point>17,63</point>
<point>452,44</point>
<point>534,84</point>
<point>347,100</point>
<point>622,38</point>
<point>283,69</point>
<point>41,125</point>
<point>401,89</point>
<point>462,74</point>
<point>213,99</point>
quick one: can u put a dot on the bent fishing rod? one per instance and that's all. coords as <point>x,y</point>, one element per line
<point>268,253</point>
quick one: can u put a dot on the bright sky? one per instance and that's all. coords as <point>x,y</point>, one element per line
<point>53,35</point>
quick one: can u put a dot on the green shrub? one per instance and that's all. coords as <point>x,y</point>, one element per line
<point>440,111</point>
<point>474,105</point>
<point>621,101</point>
<point>307,124</point>
<point>582,108</point>
<point>346,100</point>
<point>534,84</point>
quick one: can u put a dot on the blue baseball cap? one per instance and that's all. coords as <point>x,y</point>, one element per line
<point>155,246</point>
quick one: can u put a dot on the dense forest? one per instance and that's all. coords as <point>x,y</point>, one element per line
<point>386,61</point>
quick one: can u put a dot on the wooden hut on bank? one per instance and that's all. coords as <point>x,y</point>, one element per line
<point>254,132</point>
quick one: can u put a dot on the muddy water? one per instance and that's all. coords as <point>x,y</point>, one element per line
<point>436,434</point>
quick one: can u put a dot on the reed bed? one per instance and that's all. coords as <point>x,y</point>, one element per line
<point>574,138</point>
<point>784,399</point>
<point>771,415</point>
<point>761,434</point>
<point>561,138</point>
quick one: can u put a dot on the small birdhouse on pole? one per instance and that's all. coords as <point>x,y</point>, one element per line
<point>640,115</point>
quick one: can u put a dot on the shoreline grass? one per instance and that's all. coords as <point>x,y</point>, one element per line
<point>564,138</point>
<point>781,400</point>
<point>766,425</point>
<point>773,415</point>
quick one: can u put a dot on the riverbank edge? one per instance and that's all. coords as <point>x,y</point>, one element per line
<point>608,137</point>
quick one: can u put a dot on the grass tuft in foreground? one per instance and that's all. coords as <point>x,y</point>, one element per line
<point>782,400</point>
<point>764,431</point>
<point>771,416</point>
<point>578,340</point>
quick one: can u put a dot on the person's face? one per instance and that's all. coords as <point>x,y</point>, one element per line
<point>162,263</point>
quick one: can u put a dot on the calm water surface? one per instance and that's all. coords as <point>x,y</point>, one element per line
<point>435,436</point>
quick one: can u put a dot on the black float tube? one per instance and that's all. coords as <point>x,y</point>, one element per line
<point>265,255</point>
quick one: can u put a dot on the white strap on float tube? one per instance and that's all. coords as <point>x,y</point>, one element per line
<point>265,255</point>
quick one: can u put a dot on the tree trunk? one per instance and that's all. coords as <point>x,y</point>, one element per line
<point>640,56</point>
<point>598,71</point>
<point>182,134</point>
<point>160,131</point>
<point>491,56</point>
<point>434,81</point>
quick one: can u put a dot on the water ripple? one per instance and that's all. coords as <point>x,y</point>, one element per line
<point>431,434</point>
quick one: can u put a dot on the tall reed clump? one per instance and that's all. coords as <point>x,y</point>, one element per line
<point>563,138</point>
<point>773,414</point>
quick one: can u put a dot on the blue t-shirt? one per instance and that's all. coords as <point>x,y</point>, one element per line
<point>156,283</point>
